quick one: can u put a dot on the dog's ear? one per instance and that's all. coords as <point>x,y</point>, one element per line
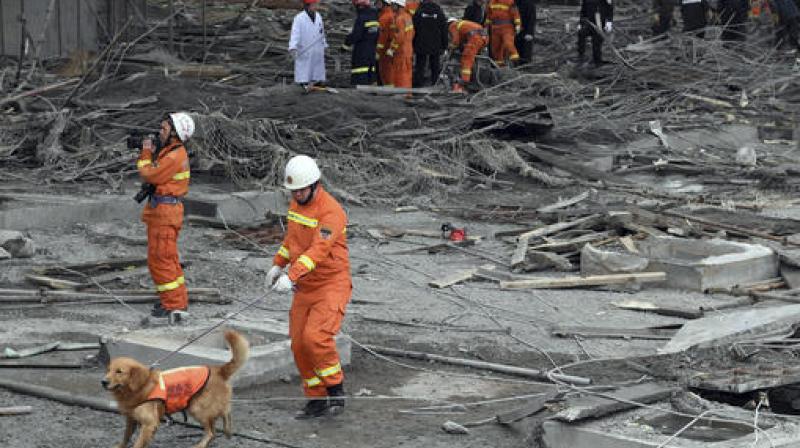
<point>139,376</point>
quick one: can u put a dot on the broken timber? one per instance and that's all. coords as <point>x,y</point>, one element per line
<point>657,334</point>
<point>592,280</point>
<point>637,305</point>
<point>511,370</point>
<point>523,240</point>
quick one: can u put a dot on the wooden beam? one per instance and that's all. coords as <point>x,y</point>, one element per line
<point>592,280</point>
<point>649,307</point>
<point>658,334</point>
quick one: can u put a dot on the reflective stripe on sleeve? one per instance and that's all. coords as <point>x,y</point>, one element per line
<point>371,23</point>
<point>183,175</point>
<point>142,163</point>
<point>306,261</point>
<point>359,70</point>
<point>284,252</point>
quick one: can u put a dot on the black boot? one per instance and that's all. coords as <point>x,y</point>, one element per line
<point>336,398</point>
<point>312,409</point>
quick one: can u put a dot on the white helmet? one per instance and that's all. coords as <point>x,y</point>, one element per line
<point>401,3</point>
<point>451,20</point>
<point>301,171</point>
<point>184,125</point>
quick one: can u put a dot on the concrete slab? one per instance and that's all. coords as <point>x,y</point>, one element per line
<point>699,265</point>
<point>36,211</point>
<point>270,353</point>
<point>244,207</point>
<point>741,379</point>
<point>650,428</point>
<point>590,406</point>
<point>734,326</point>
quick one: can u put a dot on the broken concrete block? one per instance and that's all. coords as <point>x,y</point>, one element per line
<point>4,255</point>
<point>700,265</point>
<point>540,260</point>
<point>600,262</point>
<point>746,156</point>
<point>17,244</point>
<point>791,275</point>
<point>591,406</point>
<point>735,326</point>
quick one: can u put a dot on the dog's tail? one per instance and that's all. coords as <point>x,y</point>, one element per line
<point>240,350</point>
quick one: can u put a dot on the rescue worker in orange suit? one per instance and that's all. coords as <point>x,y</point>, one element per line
<point>315,249</point>
<point>503,22</point>
<point>385,20</point>
<point>168,172</point>
<point>469,38</point>
<point>596,17</point>
<point>362,41</point>
<point>401,45</point>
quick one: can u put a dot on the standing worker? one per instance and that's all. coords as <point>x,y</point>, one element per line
<point>362,41</point>
<point>663,11</point>
<point>474,12</point>
<point>315,248</point>
<point>503,22</point>
<point>401,45</point>
<point>597,16</point>
<point>787,15</point>
<point>307,45</point>
<point>385,21</point>
<point>695,17</point>
<point>166,171</point>
<point>469,38</point>
<point>733,18</point>
<point>430,41</point>
<point>524,39</point>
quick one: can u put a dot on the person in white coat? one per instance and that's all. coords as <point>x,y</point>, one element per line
<point>307,45</point>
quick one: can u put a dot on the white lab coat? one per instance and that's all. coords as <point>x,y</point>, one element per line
<point>308,38</point>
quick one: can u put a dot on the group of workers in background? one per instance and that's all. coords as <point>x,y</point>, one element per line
<point>400,43</point>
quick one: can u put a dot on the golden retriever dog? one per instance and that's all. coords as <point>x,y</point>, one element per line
<point>143,395</point>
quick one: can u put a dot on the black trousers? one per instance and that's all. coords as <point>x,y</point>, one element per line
<point>665,12</point>
<point>423,62</point>
<point>586,31</point>
<point>524,47</point>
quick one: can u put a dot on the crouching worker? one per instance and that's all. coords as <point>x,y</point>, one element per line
<point>164,167</point>
<point>469,38</point>
<point>315,251</point>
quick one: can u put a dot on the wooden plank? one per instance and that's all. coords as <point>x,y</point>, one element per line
<point>649,307</point>
<point>557,227</point>
<point>657,334</point>
<point>574,243</point>
<point>593,280</point>
<point>16,410</point>
<point>457,277</point>
<point>563,203</point>
<point>628,244</point>
<point>590,406</point>
<point>50,282</point>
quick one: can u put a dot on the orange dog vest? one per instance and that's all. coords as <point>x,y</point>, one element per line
<point>176,387</point>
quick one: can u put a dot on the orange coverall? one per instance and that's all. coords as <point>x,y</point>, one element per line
<point>316,247</point>
<point>470,37</point>
<point>170,174</point>
<point>385,21</point>
<point>502,21</point>
<point>402,43</point>
<point>176,387</point>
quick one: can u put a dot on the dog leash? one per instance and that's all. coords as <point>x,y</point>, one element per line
<point>228,317</point>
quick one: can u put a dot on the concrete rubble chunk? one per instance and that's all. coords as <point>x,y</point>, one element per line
<point>4,255</point>
<point>700,265</point>
<point>734,326</point>
<point>17,244</point>
<point>599,262</point>
<point>590,406</point>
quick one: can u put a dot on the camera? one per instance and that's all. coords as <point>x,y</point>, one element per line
<point>136,139</point>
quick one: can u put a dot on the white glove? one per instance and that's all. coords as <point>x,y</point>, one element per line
<point>283,284</point>
<point>390,53</point>
<point>580,26</point>
<point>528,37</point>
<point>272,274</point>
<point>608,27</point>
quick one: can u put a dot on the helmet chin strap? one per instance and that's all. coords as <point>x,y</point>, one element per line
<point>310,195</point>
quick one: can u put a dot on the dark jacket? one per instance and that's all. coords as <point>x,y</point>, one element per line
<point>694,15</point>
<point>590,7</point>
<point>430,29</point>
<point>786,9</point>
<point>475,13</point>
<point>363,38</point>
<point>527,13</point>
